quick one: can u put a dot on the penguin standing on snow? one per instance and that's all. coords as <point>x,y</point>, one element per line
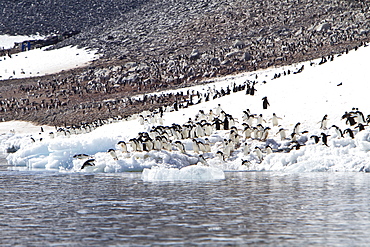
<point>226,123</point>
<point>316,138</point>
<point>324,138</point>
<point>296,128</point>
<point>282,133</point>
<point>265,102</point>
<point>123,146</point>
<point>112,152</point>
<point>220,155</point>
<point>324,122</point>
<point>259,154</point>
<point>202,160</point>
<point>349,132</point>
<point>338,131</point>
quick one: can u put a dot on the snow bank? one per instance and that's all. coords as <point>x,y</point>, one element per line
<point>38,62</point>
<point>7,41</point>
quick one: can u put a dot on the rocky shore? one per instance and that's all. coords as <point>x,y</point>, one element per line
<point>154,45</point>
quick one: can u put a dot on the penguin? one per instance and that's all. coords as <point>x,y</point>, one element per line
<point>265,103</point>
<point>275,119</point>
<point>89,162</point>
<point>199,131</point>
<point>141,120</point>
<point>134,144</point>
<point>296,128</point>
<point>233,135</point>
<point>217,123</point>
<point>195,146</point>
<point>324,139</point>
<point>259,154</point>
<point>218,110</point>
<point>210,116</point>
<point>250,120</point>
<point>202,160</point>
<point>149,144</point>
<point>157,143</point>
<point>350,120</point>
<point>207,145</point>
<point>338,131</point>
<point>324,122</point>
<point>359,116</point>
<point>282,133</point>
<point>260,119</point>
<point>180,146</point>
<point>202,147</point>
<point>81,156</point>
<point>247,132</point>
<point>294,137</point>
<point>227,149</point>
<point>252,90</point>
<point>268,150</point>
<point>349,132</point>
<point>297,146</point>
<point>51,135</point>
<point>245,116</point>
<point>246,149</point>
<point>226,123</point>
<point>265,134</point>
<point>208,129</point>
<point>360,127</point>
<point>316,138</point>
<point>246,163</point>
<point>256,133</point>
<point>112,152</point>
<point>220,155</point>
<point>123,146</point>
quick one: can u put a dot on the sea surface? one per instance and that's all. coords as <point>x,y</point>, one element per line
<point>42,208</point>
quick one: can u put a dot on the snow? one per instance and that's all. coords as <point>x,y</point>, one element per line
<point>39,62</point>
<point>7,41</point>
<point>331,89</point>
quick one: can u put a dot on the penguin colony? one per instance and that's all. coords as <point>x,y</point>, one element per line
<point>253,135</point>
<point>62,100</point>
<point>243,36</point>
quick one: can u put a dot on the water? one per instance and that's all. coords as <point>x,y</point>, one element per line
<point>255,208</point>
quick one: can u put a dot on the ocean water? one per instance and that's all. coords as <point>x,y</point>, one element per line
<point>247,208</point>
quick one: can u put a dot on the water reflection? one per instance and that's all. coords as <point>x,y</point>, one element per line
<point>246,208</point>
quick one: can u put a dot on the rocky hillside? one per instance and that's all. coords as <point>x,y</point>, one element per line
<point>151,45</point>
<point>26,17</point>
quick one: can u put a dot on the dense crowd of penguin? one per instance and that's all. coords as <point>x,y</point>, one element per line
<point>216,134</point>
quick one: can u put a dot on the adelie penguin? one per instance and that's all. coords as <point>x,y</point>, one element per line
<point>349,132</point>
<point>245,163</point>
<point>259,154</point>
<point>324,122</point>
<point>316,138</point>
<point>324,139</point>
<point>112,152</point>
<point>265,103</point>
<point>338,131</point>
<point>89,162</point>
<point>81,156</point>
